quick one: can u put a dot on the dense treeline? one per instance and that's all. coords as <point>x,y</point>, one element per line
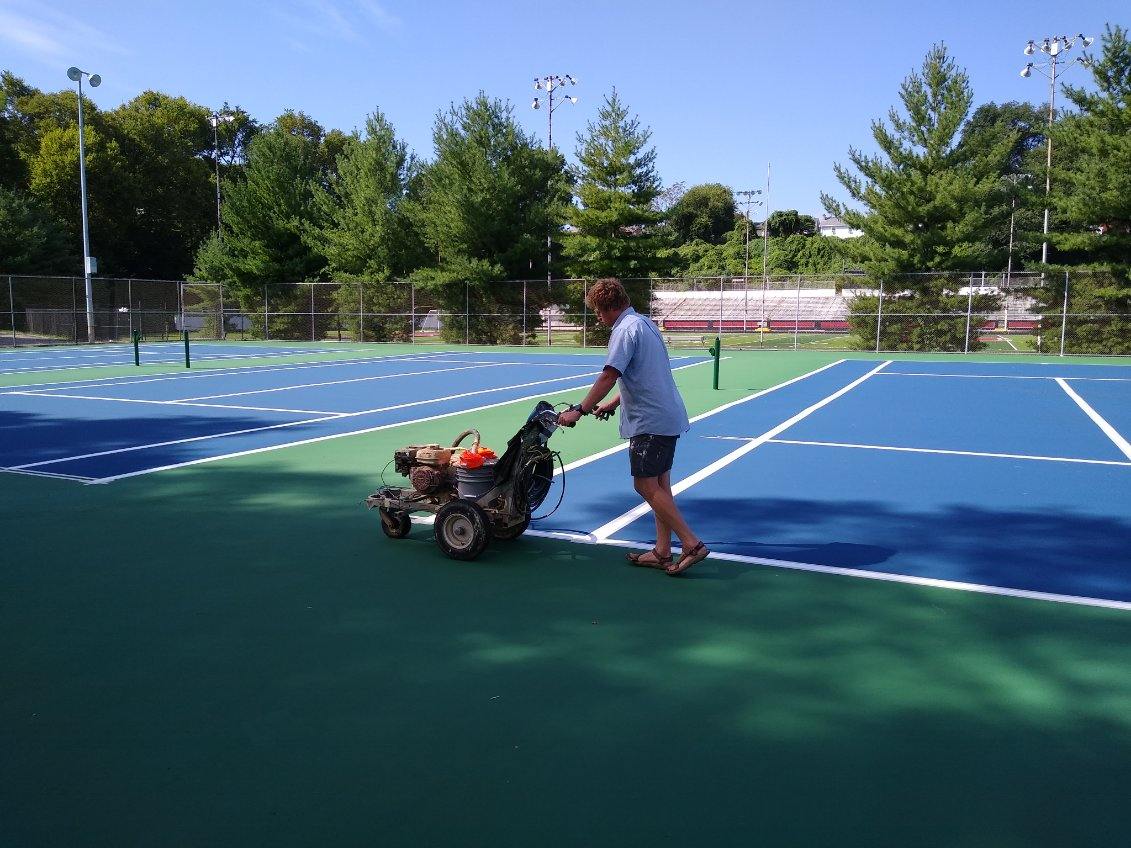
<point>301,202</point>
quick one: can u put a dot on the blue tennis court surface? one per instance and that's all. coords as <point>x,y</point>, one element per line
<point>1007,478</point>
<point>1012,478</point>
<point>103,430</point>
<point>34,360</point>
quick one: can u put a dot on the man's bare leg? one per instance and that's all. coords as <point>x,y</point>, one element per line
<point>668,516</point>
<point>663,531</point>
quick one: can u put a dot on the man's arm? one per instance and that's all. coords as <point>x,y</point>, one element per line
<point>601,387</point>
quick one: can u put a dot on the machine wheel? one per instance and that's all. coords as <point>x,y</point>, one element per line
<point>395,524</point>
<point>463,530</point>
<point>512,532</point>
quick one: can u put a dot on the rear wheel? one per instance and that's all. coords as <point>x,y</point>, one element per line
<point>463,530</point>
<point>395,524</point>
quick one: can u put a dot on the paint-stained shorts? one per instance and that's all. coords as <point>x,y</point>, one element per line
<point>651,456</point>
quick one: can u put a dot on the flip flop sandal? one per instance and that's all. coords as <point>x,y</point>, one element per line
<point>688,559</point>
<point>637,558</point>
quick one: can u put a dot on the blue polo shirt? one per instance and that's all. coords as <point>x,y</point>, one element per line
<point>650,401</point>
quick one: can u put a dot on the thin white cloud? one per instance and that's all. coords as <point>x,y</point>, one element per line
<point>343,20</point>
<point>50,35</point>
<point>380,15</point>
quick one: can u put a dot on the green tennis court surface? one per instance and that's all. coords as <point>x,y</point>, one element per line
<point>231,653</point>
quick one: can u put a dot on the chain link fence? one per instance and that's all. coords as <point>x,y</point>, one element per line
<point>1063,313</point>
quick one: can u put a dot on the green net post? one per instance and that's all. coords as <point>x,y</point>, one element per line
<point>186,350</point>
<point>137,347</point>
<point>716,350</point>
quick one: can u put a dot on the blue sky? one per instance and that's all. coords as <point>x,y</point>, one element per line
<point>726,87</point>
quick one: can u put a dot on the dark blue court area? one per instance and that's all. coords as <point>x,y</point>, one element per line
<point>1002,477</point>
<point>101,430</point>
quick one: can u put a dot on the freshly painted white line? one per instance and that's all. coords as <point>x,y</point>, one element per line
<point>71,477</point>
<point>342,382</point>
<point>337,415</point>
<point>1098,419</point>
<point>183,403</point>
<point>1004,377</point>
<point>909,579</point>
<point>326,438</point>
<point>164,376</point>
<point>624,445</point>
<point>1035,457</point>
<point>611,527</point>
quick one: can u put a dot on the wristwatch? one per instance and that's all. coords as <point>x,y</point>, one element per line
<point>577,408</point>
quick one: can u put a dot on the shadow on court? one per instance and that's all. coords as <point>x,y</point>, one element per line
<point>234,654</point>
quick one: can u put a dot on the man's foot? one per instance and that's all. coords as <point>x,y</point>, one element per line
<point>650,559</point>
<point>687,559</point>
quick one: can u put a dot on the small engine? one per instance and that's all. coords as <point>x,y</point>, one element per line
<point>426,466</point>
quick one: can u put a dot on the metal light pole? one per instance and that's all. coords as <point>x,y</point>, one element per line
<point>765,248</point>
<point>549,84</point>
<point>1053,47</point>
<point>89,263</point>
<point>749,201</point>
<point>215,118</point>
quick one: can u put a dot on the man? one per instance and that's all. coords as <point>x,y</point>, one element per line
<point>652,419</point>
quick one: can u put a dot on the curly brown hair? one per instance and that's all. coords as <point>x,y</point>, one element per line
<point>607,294</point>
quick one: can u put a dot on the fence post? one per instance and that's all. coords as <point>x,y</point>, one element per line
<point>12,308</point>
<point>266,326</point>
<point>879,314</point>
<point>360,312</point>
<point>412,312</point>
<point>1064,317</point>
<point>74,314</point>
<point>797,313</point>
<point>585,308</point>
<point>223,329</point>
<point>969,310</point>
<point>466,314</point>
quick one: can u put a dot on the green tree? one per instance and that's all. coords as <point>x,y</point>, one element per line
<point>704,212</point>
<point>790,222</point>
<point>616,227</point>
<point>931,201</point>
<point>932,204</point>
<point>363,229</point>
<point>1092,200</point>
<point>484,207</point>
<point>31,240</point>
<point>167,145</point>
<point>266,214</point>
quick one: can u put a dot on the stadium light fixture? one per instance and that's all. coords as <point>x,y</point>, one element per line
<point>90,265</point>
<point>216,118</point>
<point>1053,46</point>
<point>550,83</point>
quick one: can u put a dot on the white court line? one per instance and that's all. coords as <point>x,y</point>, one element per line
<point>1098,419</point>
<point>330,436</point>
<point>182,403</point>
<point>1004,377</point>
<point>72,477</point>
<point>611,527</point>
<point>165,376</point>
<point>150,359</point>
<point>624,445</point>
<point>341,382</point>
<point>337,415</point>
<point>934,450</point>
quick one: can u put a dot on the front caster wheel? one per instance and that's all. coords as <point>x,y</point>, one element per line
<point>395,524</point>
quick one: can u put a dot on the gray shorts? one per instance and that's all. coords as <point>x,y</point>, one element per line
<point>651,456</point>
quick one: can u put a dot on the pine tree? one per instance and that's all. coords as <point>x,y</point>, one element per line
<point>616,227</point>
<point>1091,196</point>
<point>932,203</point>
